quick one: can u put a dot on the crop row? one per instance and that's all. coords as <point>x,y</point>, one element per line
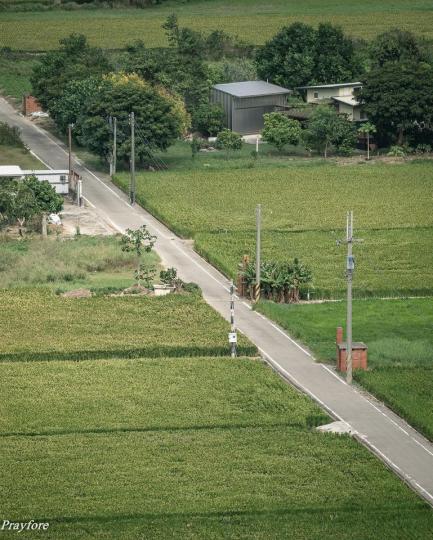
<point>37,325</point>
<point>113,29</point>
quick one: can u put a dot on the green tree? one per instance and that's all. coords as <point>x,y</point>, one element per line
<point>75,97</point>
<point>396,46</point>
<point>300,55</point>
<point>138,241</point>
<point>280,131</point>
<point>229,141</point>
<point>288,58</point>
<point>334,59</point>
<point>327,128</point>
<point>74,61</point>
<point>160,117</point>
<point>367,129</point>
<point>17,203</point>
<point>47,200</point>
<point>398,99</point>
<point>209,118</point>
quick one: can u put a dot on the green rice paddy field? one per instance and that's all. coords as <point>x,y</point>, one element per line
<point>303,213</point>
<point>187,448</point>
<point>253,20</point>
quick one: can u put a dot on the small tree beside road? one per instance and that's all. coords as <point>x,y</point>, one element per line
<point>139,241</point>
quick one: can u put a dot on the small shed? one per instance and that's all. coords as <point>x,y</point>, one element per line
<point>246,102</point>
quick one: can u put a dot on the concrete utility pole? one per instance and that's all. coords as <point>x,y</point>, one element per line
<point>132,181</point>
<point>350,267</point>
<point>233,335</point>
<point>258,252</point>
<point>113,157</point>
<point>70,151</point>
<point>114,144</point>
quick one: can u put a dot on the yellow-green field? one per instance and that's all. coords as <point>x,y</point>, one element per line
<point>251,20</point>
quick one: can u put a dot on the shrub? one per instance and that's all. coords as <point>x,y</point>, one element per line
<point>280,131</point>
<point>229,140</point>
<point>208,118</point>
<point>10,136</point>
<point>397,151</point>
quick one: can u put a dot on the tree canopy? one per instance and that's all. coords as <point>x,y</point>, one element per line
<point>327,128</point>
<point>398,98</point>
<point>75,61</point>
<point>300,55</point>
<point>160,116</point>
<point>396,46</point>
<point>280,131</point>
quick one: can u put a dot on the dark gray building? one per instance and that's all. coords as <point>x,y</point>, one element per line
<point>245,103</point>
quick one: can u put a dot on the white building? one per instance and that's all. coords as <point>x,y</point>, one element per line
<point>59,179</point>
<point>342,95</point>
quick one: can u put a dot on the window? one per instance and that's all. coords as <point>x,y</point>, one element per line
<point>63,178</point>
<point>316,95</point>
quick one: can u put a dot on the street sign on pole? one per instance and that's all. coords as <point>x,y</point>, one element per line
<point>233,338</point>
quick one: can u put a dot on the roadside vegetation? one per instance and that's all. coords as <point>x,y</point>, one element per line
<point>96,263</point>
<point>13,151</point>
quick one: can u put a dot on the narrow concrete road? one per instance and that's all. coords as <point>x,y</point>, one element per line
<point>403,449</point>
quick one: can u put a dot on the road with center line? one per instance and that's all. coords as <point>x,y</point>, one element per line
<point>404,450</point>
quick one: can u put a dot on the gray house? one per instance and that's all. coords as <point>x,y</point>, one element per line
<point>245,103</point>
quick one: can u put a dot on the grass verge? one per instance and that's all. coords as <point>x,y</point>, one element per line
<point>400,347</point>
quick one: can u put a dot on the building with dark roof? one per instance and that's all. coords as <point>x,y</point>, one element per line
<point>246,102</point>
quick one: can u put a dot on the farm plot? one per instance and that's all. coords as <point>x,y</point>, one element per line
<point>192,448</point>
<point>69,328</point>
<point>303,212</point>
<point>116,28</point>
<point>400,347</point>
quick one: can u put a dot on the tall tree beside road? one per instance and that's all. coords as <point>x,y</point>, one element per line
<point>75,60</point>
<point>160,117</point>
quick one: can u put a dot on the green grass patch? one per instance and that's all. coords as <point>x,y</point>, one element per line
<point>409,391</point>
<point>84,261</point>
<point>10,155</point>
<point>15,72</point>
<point>190,448</point>
<point>109,327</point>
<point>116,28</point>
<point>303,214</point>
<point>400,347</point>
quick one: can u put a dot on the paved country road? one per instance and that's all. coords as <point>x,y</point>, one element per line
<point>402,448</point>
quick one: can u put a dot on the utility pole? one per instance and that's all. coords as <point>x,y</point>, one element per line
<point>70,151</point>
<point>132,181</point>
<point>113,127</point>
<point>350,267</point>
<point>232,335</point>
<point>258,251</point>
